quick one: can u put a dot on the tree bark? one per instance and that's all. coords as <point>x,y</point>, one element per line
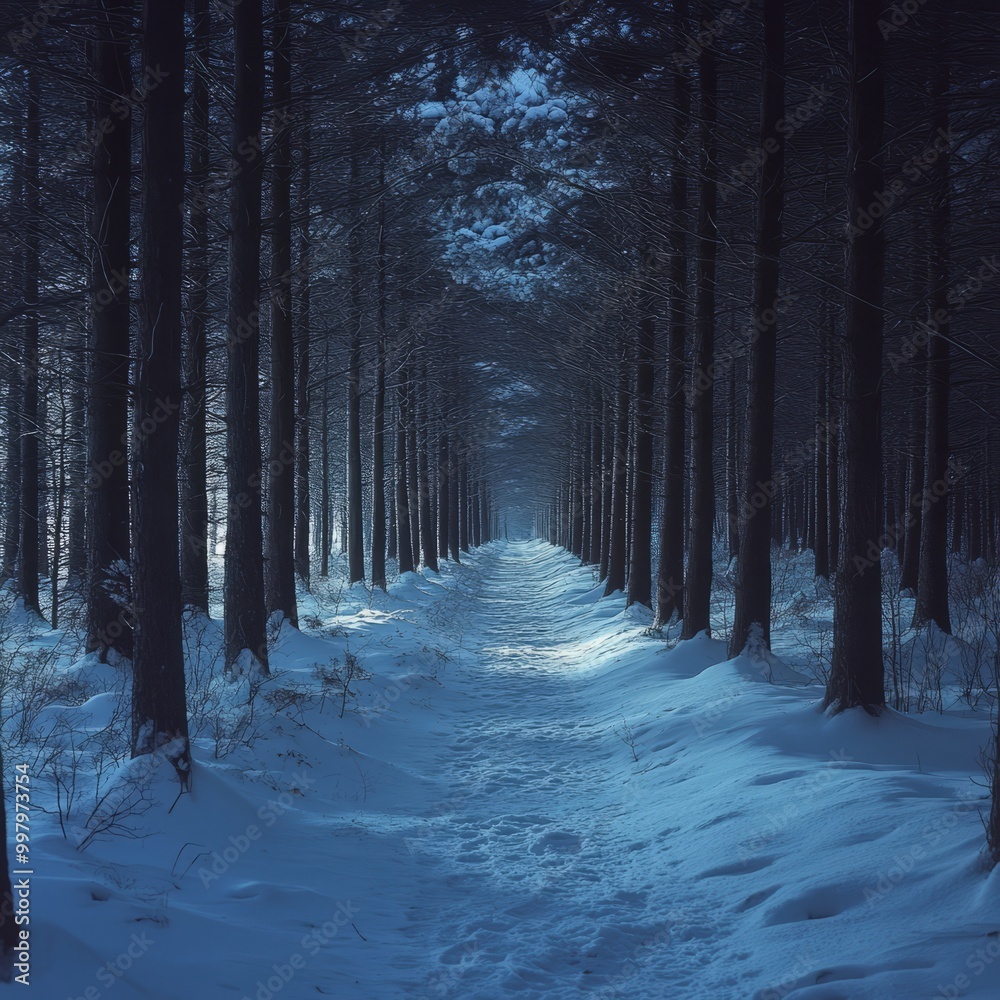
<point>403,517</point>
<point>698,582</point>
<point>932,583</point>
<point>194,492</point>
<point>378,420</point>
<point>821,547</point>
<point>444,490</point>
<point>619,477</point>
<point>280,567</point>
<point>355,514</point>
<point>28,568</point>
<point>12,503</point>
<point>857,674</point>
<point>302,345</point>
<point>753,566</point>
<point>159,709</point>
<point>641,548</point>
<point>108,550</point>
<point>245,634</point>
<point>428,541</point>
<point>454,545</point>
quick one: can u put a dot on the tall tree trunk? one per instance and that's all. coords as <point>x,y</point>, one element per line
<point>641,549</point>
<point>194,491</point>
<point>30,427</point>
<point>444,490</point>
<point>378,422</point>
<point>280,567</point>
<point>834,420</point>
<point>910,568</point>
<point>476,514</point>
<point>302,345</point>
<point>821,547</point>
<point>753,566</point>
<point>324,460</point>
<point>12,490</point>
<point>932,584</point>
<point>698,582</point>
<point>453,501</point>
<point>732,471</point>
<point>44,464</point>
<point>428,541</point>
<point>609,436</point>
<point>586,473</point>
<point>159,710</point>
<point>355,518</point>
<point>464,504</point>
<point>59,489</point>
<point>108,556</point>
<point>412,479</point>
<point>596,490</point>
<point>856,674</point>
<point>245,633</point>
<point>576,506</point>
<point>616,541</point>
<point>403,518</point>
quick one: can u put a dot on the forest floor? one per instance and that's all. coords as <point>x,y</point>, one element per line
<point>488,783</point>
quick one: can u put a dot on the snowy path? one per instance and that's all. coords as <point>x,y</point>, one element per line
<point>529,797</point>
<point>536,860</point>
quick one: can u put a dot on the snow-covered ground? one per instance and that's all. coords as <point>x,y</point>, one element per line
<point>528,793</point>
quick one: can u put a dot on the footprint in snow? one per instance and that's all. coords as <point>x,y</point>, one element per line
<point>557,842</point>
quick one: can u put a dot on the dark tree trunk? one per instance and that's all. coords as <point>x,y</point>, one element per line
<point>596,491</point>
<point>856,673</point>
<point>586,553</point>
<point>454,530</point>
<point>28,568</point>
<point>324,459</point>
<point>463,528</point>
<point>576,507</point>
<point>194,487</point>
<point>244,563</point>
<point>640,575</point>
<point>159,710</point>
<point>834,420</point>
<point>403,518</point>
<point>698,582</point>
<point>302,337</point>
<point>355,515</point>
<point>477,519</point>
<point>428,542</point>
<point>392,542</point>
<point>732,471</point>
<point>44,467</point>
<point>412,478</point>
<point>443,491</point>
<point>609,436</point>
<point>619,476</point>
<point>108,555</point>
<point>280,566</point>
<point>821,546</point>
<point>59,489</point>
<point>910,567</point>
<point>670,566</point>
<point>12,505</point>
<point>378,420</point>
<point>753,567</point>
<point>932,584</point>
